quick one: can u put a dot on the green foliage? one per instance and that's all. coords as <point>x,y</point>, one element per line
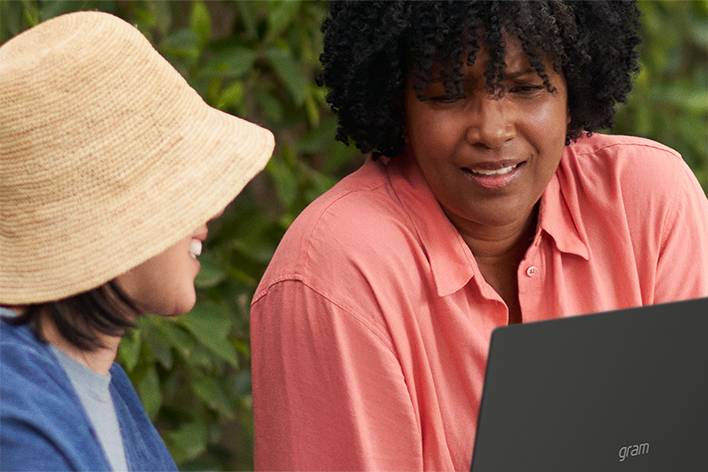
<point>669,102</point>
<point>258,60</point>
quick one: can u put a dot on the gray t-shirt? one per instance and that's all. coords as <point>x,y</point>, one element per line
<point>96,399</point>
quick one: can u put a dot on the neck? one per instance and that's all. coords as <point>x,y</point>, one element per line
<point>99,361</point>
<point>491,244</point>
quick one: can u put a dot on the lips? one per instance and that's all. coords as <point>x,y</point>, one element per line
<point>195,248</point>
<point>494,174</point>
<point>499,171</point>
<point>491,167</point>
<point>197,242</point>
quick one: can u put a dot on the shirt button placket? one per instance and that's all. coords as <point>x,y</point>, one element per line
<point>530,293</point>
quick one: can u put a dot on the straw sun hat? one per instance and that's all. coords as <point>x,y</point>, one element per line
<point>107,156</point>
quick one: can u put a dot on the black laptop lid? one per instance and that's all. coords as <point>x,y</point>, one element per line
<point>617,391</point>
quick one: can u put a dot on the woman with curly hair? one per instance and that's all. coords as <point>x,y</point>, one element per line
<point>489,200</point>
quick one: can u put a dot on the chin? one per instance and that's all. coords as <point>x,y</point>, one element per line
<point>185,307</point>
<point>178,307</point>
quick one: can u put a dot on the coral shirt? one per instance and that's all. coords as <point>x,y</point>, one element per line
<point>370,327</point>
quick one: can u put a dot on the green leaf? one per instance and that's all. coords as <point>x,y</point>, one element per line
<point>200,22</point>
<point>159,347</point>
<point>152,15</point>
<point>145,19</point>
<point>231,97</point>
<point>202,359</point>
<point>321,182</point>
<point>244,248</point>
<point>148,387</point>
<point>243,277</point>
<point>176,336</point>
<point>242,347</point>
<point>211,323</point>
<point>271,106</point>
<point>286,184</point>
<point>58,7</point>
<point>689,100</point>
<point>290,72</point>
<point>248,16</point>
<point>211,393</point>
<point>211,273</point>
<point>242,383</point>
<point>11,19</point>
<point>188,441</point>
<point>223,348</point>
<point>231,63</point>
<point>31,13</point>
<point>317,138</point>
<point>182,43</point>
<point>313,112</point>
<point>163,15</point>
<point>207,320</point>
<point>129,350</point>
<point>699,32</point>
<point>280,16</point>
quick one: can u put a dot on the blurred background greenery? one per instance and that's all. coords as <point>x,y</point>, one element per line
<point>258,59</point>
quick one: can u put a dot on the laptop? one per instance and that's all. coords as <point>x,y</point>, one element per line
<point>619,391</point>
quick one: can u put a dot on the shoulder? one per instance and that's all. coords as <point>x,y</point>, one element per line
<point>359,222</point>
<point>39,410</point>
<point>26,362</point>
<point>635,172</point>
<point>635,186</point>
<point>628,161</point>
<point>619,144</point>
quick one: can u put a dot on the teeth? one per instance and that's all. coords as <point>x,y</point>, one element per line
<point>195,248</point>
<point>503,170</point>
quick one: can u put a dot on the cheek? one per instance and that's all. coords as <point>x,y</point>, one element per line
<point>431,136</point>
<point>545,128</point>
<point>177,279</point>
<point>163,284</point>
<point>551,125</point>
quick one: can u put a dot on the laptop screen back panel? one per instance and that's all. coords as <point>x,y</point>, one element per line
<point>616,391</point>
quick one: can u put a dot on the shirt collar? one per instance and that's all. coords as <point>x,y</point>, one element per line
<point>559,216</point>
<point>451,260</point>
<point>7,312</point>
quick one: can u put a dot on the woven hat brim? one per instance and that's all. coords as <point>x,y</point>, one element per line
<point>194,172</point>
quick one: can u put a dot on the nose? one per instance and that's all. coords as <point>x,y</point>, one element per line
<point>490,125</point>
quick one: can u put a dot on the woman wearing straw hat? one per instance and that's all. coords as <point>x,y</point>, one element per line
<point>111,167</point>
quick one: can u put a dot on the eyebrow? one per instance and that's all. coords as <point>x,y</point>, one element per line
<point>519,73</point>
<point>437,80</point>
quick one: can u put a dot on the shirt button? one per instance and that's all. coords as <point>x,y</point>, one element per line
<point>532,271</point>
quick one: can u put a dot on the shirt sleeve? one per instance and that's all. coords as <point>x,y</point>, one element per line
<point>682,267</point>
<point>328,390</point>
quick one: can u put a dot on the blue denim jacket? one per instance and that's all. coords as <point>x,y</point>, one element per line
<point>43,425</point>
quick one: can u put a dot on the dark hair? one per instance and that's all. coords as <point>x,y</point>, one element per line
<point>82,317</point>
<point>370,48</point>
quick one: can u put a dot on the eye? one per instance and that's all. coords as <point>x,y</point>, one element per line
<point>444,99</point>
<point>526,89</point>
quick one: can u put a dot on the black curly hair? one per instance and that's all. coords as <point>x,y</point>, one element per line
<point>370,48</point>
